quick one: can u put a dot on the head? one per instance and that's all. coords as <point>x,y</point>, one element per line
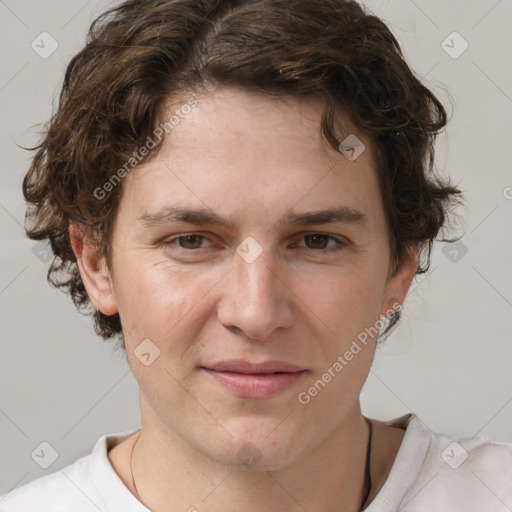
<point>243,110</point>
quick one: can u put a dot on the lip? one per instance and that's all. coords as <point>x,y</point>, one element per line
<point>242,366</point>
<point>254,380</point>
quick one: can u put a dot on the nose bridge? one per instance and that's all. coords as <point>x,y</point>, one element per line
<point>254,300</point>
<point>255,279</point>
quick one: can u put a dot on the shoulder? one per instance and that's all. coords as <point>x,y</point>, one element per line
<point>477,471</point>
<point>437,471</point>
<point>71,485</point>
<point>87,485</point>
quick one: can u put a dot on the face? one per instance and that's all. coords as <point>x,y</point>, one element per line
<point>255,281</point>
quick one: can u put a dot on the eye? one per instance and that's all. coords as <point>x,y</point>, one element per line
<point>319,241</point>
<point>189,242</point>
<point>192,242</point>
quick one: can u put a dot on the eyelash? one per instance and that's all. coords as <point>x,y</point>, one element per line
<point>170,242</point>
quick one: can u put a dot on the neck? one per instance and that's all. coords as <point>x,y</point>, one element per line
<point>171,474</point>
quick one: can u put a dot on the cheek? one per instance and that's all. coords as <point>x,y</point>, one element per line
<point>345,301</point>
<point>345,306</point>
<point>157,298</point>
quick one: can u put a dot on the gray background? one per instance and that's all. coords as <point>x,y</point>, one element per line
<point>448,362</point>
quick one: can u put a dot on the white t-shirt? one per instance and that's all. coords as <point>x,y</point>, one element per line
<point>432,472</point>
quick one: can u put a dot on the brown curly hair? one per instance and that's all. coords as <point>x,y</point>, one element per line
<point>143,52</point>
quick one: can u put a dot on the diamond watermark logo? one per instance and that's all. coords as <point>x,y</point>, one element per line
<point>44,455</point>
<point>44,45</point>
<point>146,352</point>
<point>454,45</point>
<point>249,249</point>
<point>249,454</point>
<point>42,251</point>
<point>454,251</point>
<point>454,455</point>
<point>352,147</point>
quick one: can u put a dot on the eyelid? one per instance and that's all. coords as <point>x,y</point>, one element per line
<point>170,240</point>
<point>341,241</point>
<point>338,238</point>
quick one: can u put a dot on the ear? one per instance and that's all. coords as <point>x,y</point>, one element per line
<point>398,285</point>
<point>93,270</point>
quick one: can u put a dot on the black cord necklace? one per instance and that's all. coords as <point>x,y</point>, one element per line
<point>367,475</point>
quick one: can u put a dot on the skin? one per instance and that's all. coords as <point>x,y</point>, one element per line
<point>252,159</point>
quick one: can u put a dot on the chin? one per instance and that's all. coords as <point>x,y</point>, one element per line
<point>260,448</point>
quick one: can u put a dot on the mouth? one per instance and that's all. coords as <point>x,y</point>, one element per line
<point>254,380</point>
<point>246,367</point>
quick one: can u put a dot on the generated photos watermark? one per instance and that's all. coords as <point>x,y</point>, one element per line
<point>101,192</point>
<point>304,397</point>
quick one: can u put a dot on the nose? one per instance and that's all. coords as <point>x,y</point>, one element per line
<point>257,299</point>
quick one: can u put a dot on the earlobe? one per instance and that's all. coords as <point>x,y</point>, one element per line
<point>93,270</point>
<point>398,285</point>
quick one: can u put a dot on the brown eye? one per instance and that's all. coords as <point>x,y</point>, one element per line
<point>320,241</point>
<point>190,241</point>
<point>317,241</point>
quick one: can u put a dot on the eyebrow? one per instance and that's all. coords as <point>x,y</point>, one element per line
<point>204,216</point>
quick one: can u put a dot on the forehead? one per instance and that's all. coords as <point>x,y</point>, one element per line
<point>227,117</point>
<point>239,152</point>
